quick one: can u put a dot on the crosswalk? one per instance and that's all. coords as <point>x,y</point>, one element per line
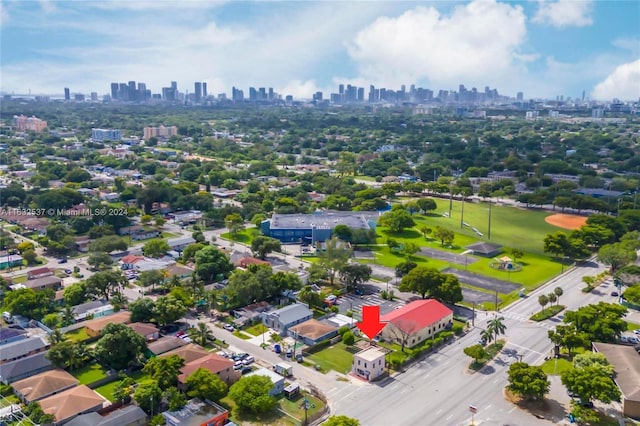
<point>524,318</point>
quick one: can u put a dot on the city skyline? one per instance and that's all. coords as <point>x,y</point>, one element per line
<point>544,49</point>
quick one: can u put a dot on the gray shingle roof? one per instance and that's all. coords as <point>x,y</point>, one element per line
<point>21,347</point>
<point>23,366</point>
<point>292,313</point>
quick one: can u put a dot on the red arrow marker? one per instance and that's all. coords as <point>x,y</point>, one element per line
<point>370,324</point>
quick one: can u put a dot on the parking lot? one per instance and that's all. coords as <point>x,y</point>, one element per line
<point>354,303</point>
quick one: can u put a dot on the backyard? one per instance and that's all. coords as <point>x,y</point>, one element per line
<point>89,374</point>
<point>77,335</point>
<point>334,357</point>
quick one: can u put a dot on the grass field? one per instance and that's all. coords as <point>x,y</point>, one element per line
<point>556,366</point>
<point>510,226</point>
<point>89,374</point>
<point>107,390</point>
<point>78,335</point>
<point>244,236</point>
<point>257,330</point>
<point>335,358</point>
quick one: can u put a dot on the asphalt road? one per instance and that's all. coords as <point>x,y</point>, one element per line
<point>459,259</point>
<point>438,390</point>
<point>482,281</point>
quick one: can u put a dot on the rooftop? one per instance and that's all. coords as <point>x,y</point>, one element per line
<point>484,247</point>
<point>372,353</point>
<point>356,220</point>
<point>22,347</point>
<point>71,402</point>
<point>626,363</point>
<point>417,315</point>
<point>212,362</point>
<point>166,344</point>
<point>143,329</point>
<point>98,324</point>
<point>44,384</point>
<point>22,366</point>
<point>313,329</point>
<point>195,413</point>
<point>272,375</point>
<point>189,353</point>
<point>291,313</point>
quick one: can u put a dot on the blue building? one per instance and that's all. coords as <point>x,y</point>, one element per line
<point>316,227</point>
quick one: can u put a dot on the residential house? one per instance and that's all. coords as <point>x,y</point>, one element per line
<point>179,271</point>
<point>283,318</point>
<point>39,273</point>
<point>10,335</point>
<point>626,365</point>
<point>246,261</point>
<point>109,196</point>
<point>179,243</point>
<point>165,344</point>
<point>148,331</point>
<point>11,261</point>
<point>312,332</point>
<point>94,309</point>
<point>43,385</point>
<point>250,313</point>
<point>276,379</point>
<point>415,322</point>
<point>129,261</point>
<point>24,367</point>
<point>214,363</point>
<point>189,216</point>
<point>197,412</point>
<point>51,282</point>
<point>189,353</point>
<point>94,327</point>
<point>71,403</point>
<point>131,415</point>
<point>22,349</point>
<point>369,363</point>
<point>82,243</point>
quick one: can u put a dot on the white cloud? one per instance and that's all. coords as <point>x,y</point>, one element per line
<point>476,44</point>
<point>623,83</point>
<point>4,14</point>
<point>299,89</point>
<point>564,13</point>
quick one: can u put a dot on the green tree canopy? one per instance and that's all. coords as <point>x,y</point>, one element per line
<point>251,394</point>
<point>164,370</point>
<point>341,421</point>
<point>334,257</point>
<point>528,381</point>
<point>429,281</point>
<point>590,383</point>
<point>602,322</point>
<point>397,220</point>
<point>155,248</point>
<point>148,396</point>
<point>119,347</point>
<point>168,309</point>
<point>212,263</point>
<point>263,245</point>
<point>204,384</point>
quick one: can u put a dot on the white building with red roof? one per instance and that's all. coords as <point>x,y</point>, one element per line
<point>416,322</point>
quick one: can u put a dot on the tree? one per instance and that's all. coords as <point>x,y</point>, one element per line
<point>29,303</point>
<point>168,309</point>
<point>427,204</point>
<point>593,359</point>
<point>543,300</point>
<point>189,252</point>
<point>477,352</point>
<point>148,396</point>
<point>516,253</point>
<point>557,243</point>
<point>142,309</point>
<point>354,274</point>
<point>497,327</point>
<point>201,334</point>
<point>528,381</point>
<point>175,398</point>
<point>602,322</point>
<point>590,383</point>
<point>632,294</point>
<point>56,337</point>
<point>151,278</point>
<point>164,370</point>
<point>568,337</point>
<point>159,221</point>
<point>448,290</point>
<point>429,281</point>
<point>410,248</point>
<point>403,268</point>
<point>552,298</point>
<point>119,347</point>
<point>103,283</point>
<point>68,355</point>
<point>309,296</point>
<point>100,260</point>
<point>558,292</point>
<point>343,232</point>
<point>446,236</point>
<point>397,220</point>
<point>334,258</point>
<point>123,389</point>
<point>262,245</point>
<point>425,231</point>
<point>341,421</point>
<point>107,244</point>
<point>24,246</point>
<point>348,338</point>
<point>402,330</point>
<point>212,264</point>
<point>234,223</point>
<point>156,248</point>
<point>252,394</point>
<point>51,320</point>
<point>204,384</point>
<point>30,256</point>
<point>616,256</point>
<point>75,294</point>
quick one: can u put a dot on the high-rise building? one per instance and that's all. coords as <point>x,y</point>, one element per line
<point>204,89</point>
<point>253,94</point>
<point>360,94</point>
<point>174,85</point>
<point>94,96</point>
<point>520,96</point>
<point>160,131</point>
<point>271,94</point>
<point>23,123</point>
<point>262,93</point>
<point>197,92</point>
<point>114,90</point>
<point>67,94</point>
<point>106,134</point>
<point>123,92</point>
<point>341,89</point>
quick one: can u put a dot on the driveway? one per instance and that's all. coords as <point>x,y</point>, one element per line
<point>477,280</point>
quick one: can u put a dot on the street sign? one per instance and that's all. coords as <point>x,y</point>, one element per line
<point>473,409</point>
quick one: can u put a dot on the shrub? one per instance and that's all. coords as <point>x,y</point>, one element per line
<point>348,338</point>
<point>457,329</point>
<point>343,330</point>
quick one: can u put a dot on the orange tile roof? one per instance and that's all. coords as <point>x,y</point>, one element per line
<point>72,402</point>
<point>212,362</point>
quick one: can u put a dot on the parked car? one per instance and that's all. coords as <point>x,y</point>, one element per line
<point>358,292</point>
<point>62,260</point>
<point>187,339</point>
<point>615,293</point>
<point>223,354</point>
<point>246,370</point>
<point>299,358</point>
<point>68,271</point>
<point>238,365</point>
<point>636,331</point>
<point>229,327</point>
<point>289,353</point>
<point>180,333</point>
<point>248,360</point>
<point>331,299</point>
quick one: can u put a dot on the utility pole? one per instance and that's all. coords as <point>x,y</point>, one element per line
<point>489,232</point>
<point>473,314</point>
<point>450,197</point>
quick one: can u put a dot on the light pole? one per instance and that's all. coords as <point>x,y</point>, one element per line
<point>489,231</point>
<point>462,213</point>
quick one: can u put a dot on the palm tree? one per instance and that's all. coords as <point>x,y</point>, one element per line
<point>56,337</point>
<point>543,300</point>
<point>306,295</point>
<point>486,335</point>
<point>558,292</point>
<point>497,327</point>
<point>68,316</point>
<point>201,334</point>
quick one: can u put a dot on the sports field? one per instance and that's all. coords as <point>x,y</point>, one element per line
<point>510,226</point>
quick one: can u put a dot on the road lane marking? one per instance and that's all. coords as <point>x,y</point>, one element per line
<point>524,347</point>
<point>439,411</point>
<point>450,415</point>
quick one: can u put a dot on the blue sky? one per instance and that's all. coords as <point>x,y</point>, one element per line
<point>543,48</point>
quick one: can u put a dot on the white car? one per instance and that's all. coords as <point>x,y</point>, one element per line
<point>238,365</point>
<point>248,360</point>
<point>637,331</point>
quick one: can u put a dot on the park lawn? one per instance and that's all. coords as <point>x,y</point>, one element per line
<point>384,257</point>
<point>77,335</point>
<point>107,390</point>
<point>632,326</point>
<point>294,408</point>
<point>510,226</point>
<point>244,236</point>
<point>256,330</point>
<point>89,374</point>
<point>414,235</point>
<point>334,357</point>
<point>556,366</point>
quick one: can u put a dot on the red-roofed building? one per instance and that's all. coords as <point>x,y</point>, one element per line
<point>246,261</point>
<point>216,364</point>
<point>416,322</point>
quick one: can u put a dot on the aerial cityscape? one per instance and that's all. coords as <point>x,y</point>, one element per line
<point>319,213</point>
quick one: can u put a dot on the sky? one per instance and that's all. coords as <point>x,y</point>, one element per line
<point>543,48</point>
